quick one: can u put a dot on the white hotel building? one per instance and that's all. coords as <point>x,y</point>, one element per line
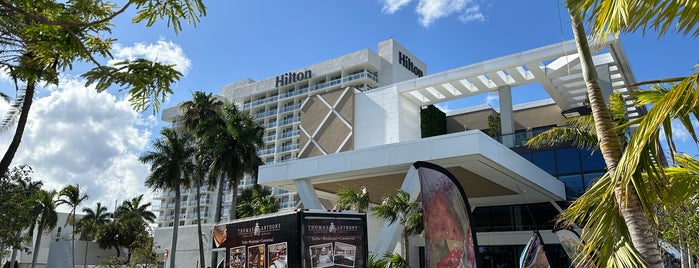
<point>355,120</point>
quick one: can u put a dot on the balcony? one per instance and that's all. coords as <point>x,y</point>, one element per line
<point>260,102</point>
<point>265,152</point>
<point>364,74</point>
<point>269,138</point>
<point>271,125</point>
<point>289,134</point>
<point>290,121</point>
<point>291,108</point>
<point>265,114</point>
<point>289,148</point>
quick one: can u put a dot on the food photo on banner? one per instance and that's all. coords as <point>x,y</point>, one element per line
<point>449,238</point>
<point>334,242</point>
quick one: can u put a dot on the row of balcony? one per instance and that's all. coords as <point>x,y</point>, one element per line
<point>360,75</point>
<point>282,123</point>
<point>192,215</point>
<point>284,135</point>
<point>280,150</point>
<point>164,194</point>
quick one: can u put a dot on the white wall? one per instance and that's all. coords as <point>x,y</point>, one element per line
<point>382,116</point>
<point>187,244</point>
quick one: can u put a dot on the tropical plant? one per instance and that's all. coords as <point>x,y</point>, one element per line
<point>108,237</point>
<point>257,200</point>
<point>198,115</point>
<point>394,260</point>
<point>143,252</point>
<point>622,203</point>
<point>171,169</point>
<point>348,199</point>
<point>89,224</point>
<point>42,38</point>
<point>494,127</point>
<point>236,149</point>
<point>377,262</point>
<point>46,218</point>
<point>15,187</point>
<point>134,208</point>
<point>580,130</point>
<point>400,208</point>
<point>70,195</point>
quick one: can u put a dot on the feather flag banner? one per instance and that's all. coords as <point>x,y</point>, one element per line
<point>533,255</point>
<point>450,241</point>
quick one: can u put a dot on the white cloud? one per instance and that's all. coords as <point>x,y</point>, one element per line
<point>492,99</point>
<point>443,106</point>
<point>431,10</point>
<point>472,14</point>
<point>162,51</point>
<point>391,6</point>
<point>78,136</point>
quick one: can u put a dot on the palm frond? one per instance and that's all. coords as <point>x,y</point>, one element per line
<point>12,113</point>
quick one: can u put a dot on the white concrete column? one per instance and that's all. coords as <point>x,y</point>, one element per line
<point>507,123</point>
<point>390,233</point>
<point>307,194</point>
<point>605,82</point>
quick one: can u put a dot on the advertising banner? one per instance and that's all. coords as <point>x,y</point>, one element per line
<point>449,238</point>
<point>334,242</point>
<point>262,243</point>
<point>533,255</point>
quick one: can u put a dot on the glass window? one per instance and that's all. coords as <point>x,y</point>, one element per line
<point>545,160</point>
<point>589,178</point>
<point>501,219</point>
<point>574,185</point>
<point>592,161</point>
<point>568,160</point>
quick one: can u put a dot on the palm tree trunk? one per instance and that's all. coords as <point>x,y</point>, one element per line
<point>13,257</point>
<point>406,249</point>
<point>21,124</point>
<point>173,250</point>
<point>626,197</point>
<point>199,233</point>
<point>217,215</point>
<point>86,248</point>
<point>72,246</point>
<point>234,199</point>
<point>37,245</point>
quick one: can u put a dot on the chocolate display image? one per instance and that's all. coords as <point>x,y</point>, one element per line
<point>345,254</point>
<point>321,255</point>
<point>277,255</point>
<point>237,257</point>
<point>220,234</point>
<point>256,256</point>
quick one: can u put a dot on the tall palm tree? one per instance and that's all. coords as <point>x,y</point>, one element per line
<point>348,199</point>
<point>135,209</point>
<point>236,150</point>
<point>633,193</point>
<point>257,200</point>
<point>398,208</point>
<point>70,195</point>
<point>90,223</point>
<point>198,115</point>
<point>171,169</point>
<point>46,218</point>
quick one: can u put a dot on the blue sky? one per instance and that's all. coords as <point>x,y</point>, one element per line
<point>78,136</point>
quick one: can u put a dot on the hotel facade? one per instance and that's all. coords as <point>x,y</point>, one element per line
<point>363,118</point>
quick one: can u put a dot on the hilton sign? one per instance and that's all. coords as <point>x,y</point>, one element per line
<point>408,64</point>
<point>292,77</point>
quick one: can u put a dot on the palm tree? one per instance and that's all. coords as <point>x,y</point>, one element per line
<point>580,131</point>
<point>398,207</point>
<point>236,149</point>
<point>171,168</point>
<point>135,209</point>
<point>22,186</point>
<point>348,199</point>
<point>46,218</point>
<point>70,195</point>
<point>90,223</point>
<point>631,193</point>
<point>198,115</point>
<point>108,237</point>
<point>257,200</point>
